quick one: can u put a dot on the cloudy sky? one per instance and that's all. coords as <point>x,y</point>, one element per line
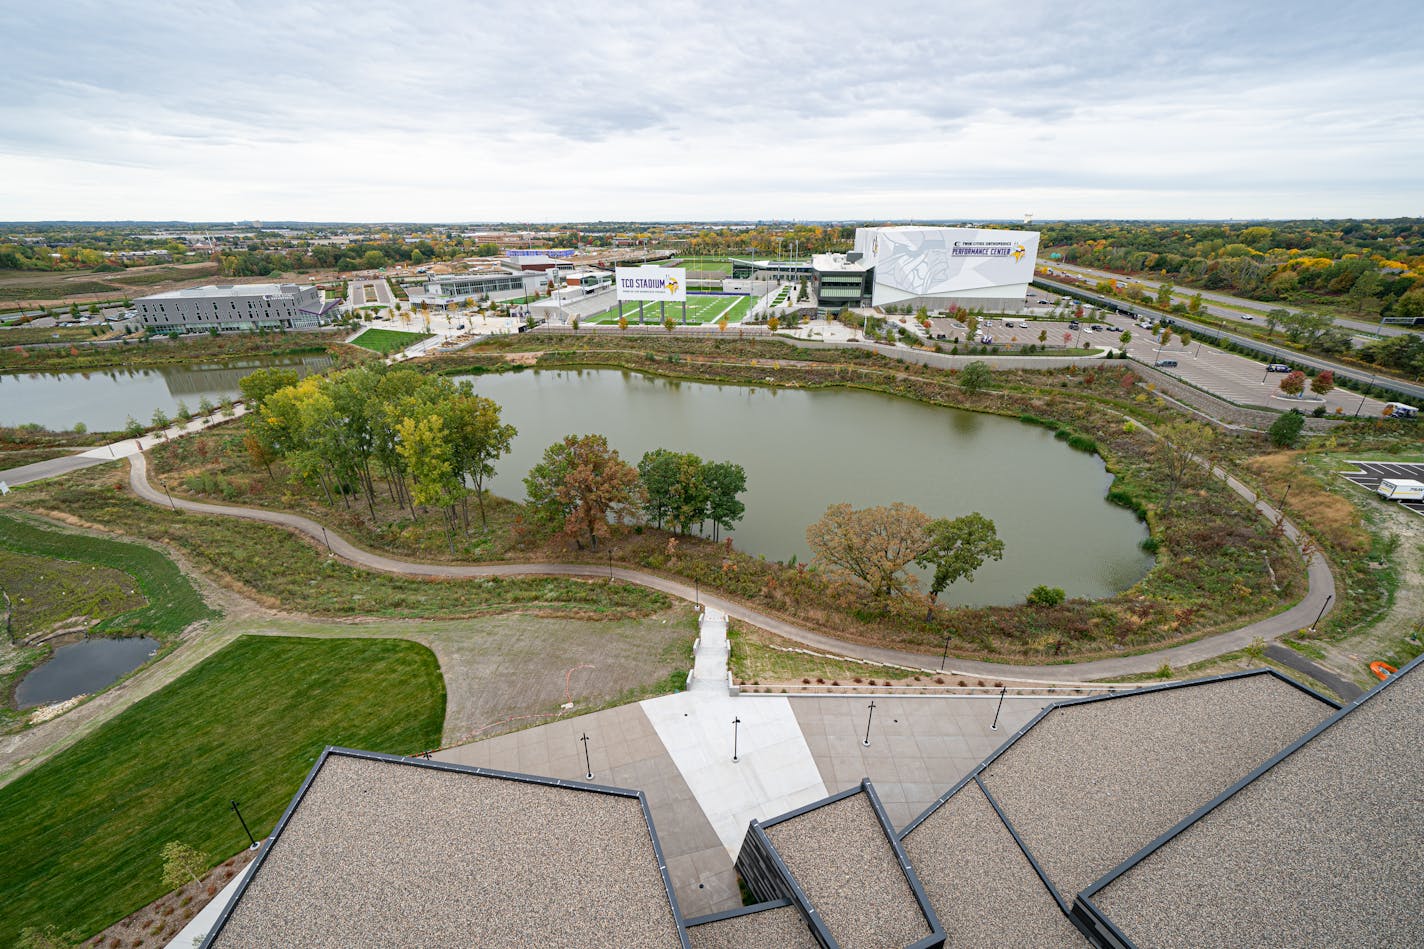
<point>523,110</point>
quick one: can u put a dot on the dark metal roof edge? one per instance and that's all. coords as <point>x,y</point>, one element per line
<point>419,762</point>
<point>268,843</point>
<point>911,877</point>
<point>1083,700</point>
<point>662,868</point>
<point>1028,854</point>
<point>814,805</point>
<point>809,913</point>
<point>450,766</point>
<point>1302,686</point>
<point>1087,914</point>
<point>1255,773</point>
<point>739,911</point>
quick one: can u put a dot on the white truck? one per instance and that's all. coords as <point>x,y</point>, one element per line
<point>1401,489</point>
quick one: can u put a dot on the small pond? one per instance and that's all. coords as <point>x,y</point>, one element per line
<point>79,668</point>
<point>804,450</point>
<point>104,399</point>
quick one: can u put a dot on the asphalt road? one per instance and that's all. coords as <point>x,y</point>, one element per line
<point>1369,329</point>
<point>1413,391</point>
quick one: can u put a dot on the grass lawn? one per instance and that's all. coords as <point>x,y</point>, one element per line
<point>173,602</point>
<point>386,342</point>
<point>700,309</point>
<point>278,568</point>
<point>45,592</point>
<point>83,832</point>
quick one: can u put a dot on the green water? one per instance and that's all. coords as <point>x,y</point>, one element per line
<point>805,450</point>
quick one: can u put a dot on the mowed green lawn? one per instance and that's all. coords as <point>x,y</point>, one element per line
<point>700,309</point>
<point>173,602</point>
<point>386,342</point>
<point>81,834</point>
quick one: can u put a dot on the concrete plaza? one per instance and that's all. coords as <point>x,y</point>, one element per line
<point>791,751</point>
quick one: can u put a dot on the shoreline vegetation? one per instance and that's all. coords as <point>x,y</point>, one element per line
<point>1218,564</point>
<point>1212,570</point>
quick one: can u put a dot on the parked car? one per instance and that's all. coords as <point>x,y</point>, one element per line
<point>1247,316</point>
<point>1073,325</point>
<point>1166,364</point>
<point>1278,367</point>
<point>1095,328</point>
<point>986,339</point>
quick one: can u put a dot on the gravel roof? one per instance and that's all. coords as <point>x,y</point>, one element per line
<point>779,928</point>
<point>982,885</point>
<point>1326,848</point>
<point>381,852</point>
<point>843,861</point>
<point>1094,782</point>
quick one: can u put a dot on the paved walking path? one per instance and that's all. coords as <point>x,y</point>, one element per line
<point>1320,594</point>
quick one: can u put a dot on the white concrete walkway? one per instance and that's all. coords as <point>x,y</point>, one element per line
<point>774,771</point>
<point>709,669</point>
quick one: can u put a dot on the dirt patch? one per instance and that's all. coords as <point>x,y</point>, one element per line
<point>157,923</point>
<point>522,359</point>
<point>507,672</point>
<point>1402,625</point>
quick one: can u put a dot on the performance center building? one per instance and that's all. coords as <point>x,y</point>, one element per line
<point>933,267</point>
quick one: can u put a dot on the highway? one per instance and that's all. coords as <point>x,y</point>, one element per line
<point>1410,391</point>
<point>1367,329</point>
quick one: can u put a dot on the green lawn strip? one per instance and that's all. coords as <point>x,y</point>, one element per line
<point>275,565</point>
<point>45,592</point>
<point>83,832</point>
<point>173,602</point>
<point>386,342</point>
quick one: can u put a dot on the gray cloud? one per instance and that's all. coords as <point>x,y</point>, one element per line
<point>682,110</point>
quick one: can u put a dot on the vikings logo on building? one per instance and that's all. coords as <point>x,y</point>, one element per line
<point>672,286</point>
<point>1018,252</point>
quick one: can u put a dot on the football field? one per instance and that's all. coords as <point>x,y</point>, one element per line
<point>701,308</point>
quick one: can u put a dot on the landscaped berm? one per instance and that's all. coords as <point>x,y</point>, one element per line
<point>83,834</point>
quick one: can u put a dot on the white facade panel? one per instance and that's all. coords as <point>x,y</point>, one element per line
<point>912,262</point>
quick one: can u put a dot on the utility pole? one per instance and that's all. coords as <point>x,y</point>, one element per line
<point>868,718</point>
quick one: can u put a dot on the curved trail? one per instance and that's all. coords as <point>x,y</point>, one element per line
<point>1321,592</point>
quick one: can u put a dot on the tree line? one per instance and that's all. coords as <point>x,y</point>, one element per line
<point>430,438</point>
<point>581,487</point>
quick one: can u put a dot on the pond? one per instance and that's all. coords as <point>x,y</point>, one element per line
<point>806,450</point>
<point>79,668</point>
<point>104,399</point>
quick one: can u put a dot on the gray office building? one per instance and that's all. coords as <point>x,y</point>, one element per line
<point>234,308</point>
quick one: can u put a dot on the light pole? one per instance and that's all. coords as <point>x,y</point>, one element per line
<point>1003,690</point>
<point>868,718</point>
<point>1323,607</point>
<point>736,724</point>
<point>244,824</point>
<point>587,765</point>
<point>170,495</point>
<point>326,539</point>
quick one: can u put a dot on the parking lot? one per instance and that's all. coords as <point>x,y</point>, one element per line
<point>1239,379</point>
<point>1371,473</point>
